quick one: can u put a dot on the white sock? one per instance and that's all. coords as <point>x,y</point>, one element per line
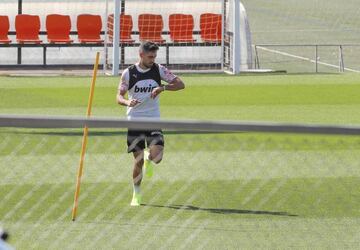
<point>137,189</point>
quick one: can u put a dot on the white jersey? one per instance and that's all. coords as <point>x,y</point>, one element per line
<point>139,83</point>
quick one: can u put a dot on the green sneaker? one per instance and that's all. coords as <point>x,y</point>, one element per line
<point>136,200</point>
<point>148,166</point>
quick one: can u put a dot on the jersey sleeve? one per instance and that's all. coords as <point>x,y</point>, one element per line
<point>166,74</point>
<point>124,81</point>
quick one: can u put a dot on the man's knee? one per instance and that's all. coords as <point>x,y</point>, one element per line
<point>157,160</point>
<point>156,157</point>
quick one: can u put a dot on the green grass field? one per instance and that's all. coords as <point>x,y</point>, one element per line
<point>307,98</point>
<point>212,191</point>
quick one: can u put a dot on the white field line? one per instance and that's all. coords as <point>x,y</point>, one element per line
<point>304,30</point>
<point>305,59</point>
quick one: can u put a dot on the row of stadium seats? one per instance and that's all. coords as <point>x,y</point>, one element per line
<point>89,27</point>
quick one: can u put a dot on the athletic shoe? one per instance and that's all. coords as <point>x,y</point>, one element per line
<point>148,166</point>
<point>136,200</point>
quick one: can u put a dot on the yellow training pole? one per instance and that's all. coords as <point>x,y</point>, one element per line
<point>84,139</point>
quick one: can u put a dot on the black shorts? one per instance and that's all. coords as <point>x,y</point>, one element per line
<point>136,139</point>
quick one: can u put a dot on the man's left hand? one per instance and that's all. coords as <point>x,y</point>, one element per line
<point>156,92</point>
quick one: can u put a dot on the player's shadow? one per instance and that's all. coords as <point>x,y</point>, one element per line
<point>221,210</point>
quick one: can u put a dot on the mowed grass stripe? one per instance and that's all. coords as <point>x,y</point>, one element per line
<point>305,197</point>
<point>282,233</point>
<point>113,141</point>
<point>203,95</point>
<point>331,99</point>
<point>207,165</point>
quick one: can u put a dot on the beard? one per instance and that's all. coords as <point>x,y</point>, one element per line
<point>148,65</point>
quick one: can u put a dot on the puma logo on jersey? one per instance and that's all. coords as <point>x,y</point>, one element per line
<point>156,133</point>
<point>143,89</point>
<point>135,75</point>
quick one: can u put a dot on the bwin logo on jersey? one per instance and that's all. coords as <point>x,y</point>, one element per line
<point>143,89</point>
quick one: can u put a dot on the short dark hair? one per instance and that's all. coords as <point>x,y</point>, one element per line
<point>148,46</point>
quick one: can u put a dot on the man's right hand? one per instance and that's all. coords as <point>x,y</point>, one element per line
<point>133,102</point>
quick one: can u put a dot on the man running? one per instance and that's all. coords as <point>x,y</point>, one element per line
<point>142,81</point>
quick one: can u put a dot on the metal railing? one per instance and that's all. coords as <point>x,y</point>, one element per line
<point>315,59</point>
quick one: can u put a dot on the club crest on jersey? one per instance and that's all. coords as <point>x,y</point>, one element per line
<point>144,89</point>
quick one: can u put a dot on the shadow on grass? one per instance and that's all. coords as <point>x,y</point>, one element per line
<point>220,210</point>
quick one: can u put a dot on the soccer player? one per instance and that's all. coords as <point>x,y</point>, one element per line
<point>142,82</point>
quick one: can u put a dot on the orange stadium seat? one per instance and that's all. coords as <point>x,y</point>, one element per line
<point>89,28</point>
<point>181,28</point>
<point>4,29</point>
<point>27,28</point>
<point>126,25</point>
<point>150,28</point>
<point>210,27</point>
<point>58,28</point>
